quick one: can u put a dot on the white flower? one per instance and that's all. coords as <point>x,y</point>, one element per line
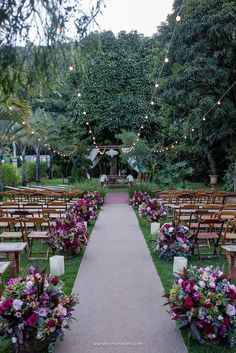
<point>220,317</point>
<point>29,284</point>
<point>17,304</point>
<point>202,284</point>
<point>212,285</point>
<point>230,310</point>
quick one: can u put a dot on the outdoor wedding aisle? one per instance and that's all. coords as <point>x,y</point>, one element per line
<point>121,305</point>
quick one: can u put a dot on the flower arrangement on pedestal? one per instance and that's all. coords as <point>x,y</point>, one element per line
<point>69,234</point>
<point>152,210</point>
<point>84,209</point>
<point>96,198</point>
<point>204,300</point>
<point>174,240</point>
<point>139,198</point>
<point>34,311</point>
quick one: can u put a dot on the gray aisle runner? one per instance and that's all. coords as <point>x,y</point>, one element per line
<point>121,309</point>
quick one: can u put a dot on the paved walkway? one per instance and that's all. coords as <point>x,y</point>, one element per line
<point>121,309</point>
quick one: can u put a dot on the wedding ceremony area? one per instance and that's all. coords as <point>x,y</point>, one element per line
<point>118,176</point>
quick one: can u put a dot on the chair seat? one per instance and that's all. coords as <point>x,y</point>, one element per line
<point>11,235</point>
<point>230,236</point>
<point>4,225</point>
<point>38,235</point>
<point>52,224</point>
<point>207,236</point>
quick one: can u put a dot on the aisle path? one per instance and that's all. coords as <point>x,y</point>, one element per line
<point>120,293</point>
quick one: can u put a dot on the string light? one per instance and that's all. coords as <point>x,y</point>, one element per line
<point>152,103</point>
<point>201,119</point>
<point>23,122</point>
<point>219,102</point>
<point>157,85</point>
<point>178,18</point>
<point>166,60</point>
<point>79,94</point>
<point>71,67</point>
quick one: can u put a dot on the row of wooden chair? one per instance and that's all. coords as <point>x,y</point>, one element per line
<point>193,197</point>
<point>27,229</point>
<point>38,195</point>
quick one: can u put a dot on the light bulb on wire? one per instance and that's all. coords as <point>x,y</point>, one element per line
<point>178,18</point>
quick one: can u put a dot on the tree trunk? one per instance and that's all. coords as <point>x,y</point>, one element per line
<point>50,173</point>
<point>1,176</point>
<point>37,165</point>
<point>23,166</point>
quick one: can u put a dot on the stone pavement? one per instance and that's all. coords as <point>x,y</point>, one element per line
<point>121,308</point>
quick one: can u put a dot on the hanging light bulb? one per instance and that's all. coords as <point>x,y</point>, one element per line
<point>185,137</point>
<point>157,85</point>
<point>152,103</point>
<point>90,131</point>
<point>146,117</point>
<point>87,123</point>
<point>193,129</point>
<point>79,94</point>
<point>32,132</point>
<point>23,122</point>
<point>39,139</point>
<point>166,60</point>
<point>178,17</point>
<point>141,127</point>
<point>71,67</point>
<point>219,102</point>
<point>84,113</point>
<point>204,119</point>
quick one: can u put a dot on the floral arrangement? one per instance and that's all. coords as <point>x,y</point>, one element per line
<point>85,209</point>
<point>96,198</point>
<point>69,233</point>
<point>139,198</point>
<point>152,210</point>
<point>35,308</point>
<point>174,240</point>
<point>204,300</point>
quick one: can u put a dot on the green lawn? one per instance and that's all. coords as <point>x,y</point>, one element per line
<point>164,270</point>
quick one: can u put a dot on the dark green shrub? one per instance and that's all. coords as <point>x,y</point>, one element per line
<point>31,170</point>
<point>10,176</point>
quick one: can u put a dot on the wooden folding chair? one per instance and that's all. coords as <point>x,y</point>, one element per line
<point>38,234</point>
<point>9,225</point>
<point>206,234</point>
<point>229,235</point>
<point>186,214</point>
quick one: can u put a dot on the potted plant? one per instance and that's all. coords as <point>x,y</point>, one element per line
<point>204,301</point>
<point>34,311</point>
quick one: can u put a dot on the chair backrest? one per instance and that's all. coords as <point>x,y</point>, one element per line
<point>231,206</point>
<point>21,213</point>
<point>37,221</point>
<point>212,224</point>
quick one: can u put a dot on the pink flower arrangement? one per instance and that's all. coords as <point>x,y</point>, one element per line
<point>204,300</point>
<point>35,307</point>
<point>174,240</point>
<point>139,198</point>
<point>96,198</point>
<point>69,233</point>
<point>152,210</point>
<point>84,209</point>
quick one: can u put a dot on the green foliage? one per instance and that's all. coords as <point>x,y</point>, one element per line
<point>173,175</point>
<point>202,68</point>
<point>148,187</point>
<point>10,176</point>
<point>89,185</point>
<point>114,83</point>
<point>31,170</point>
